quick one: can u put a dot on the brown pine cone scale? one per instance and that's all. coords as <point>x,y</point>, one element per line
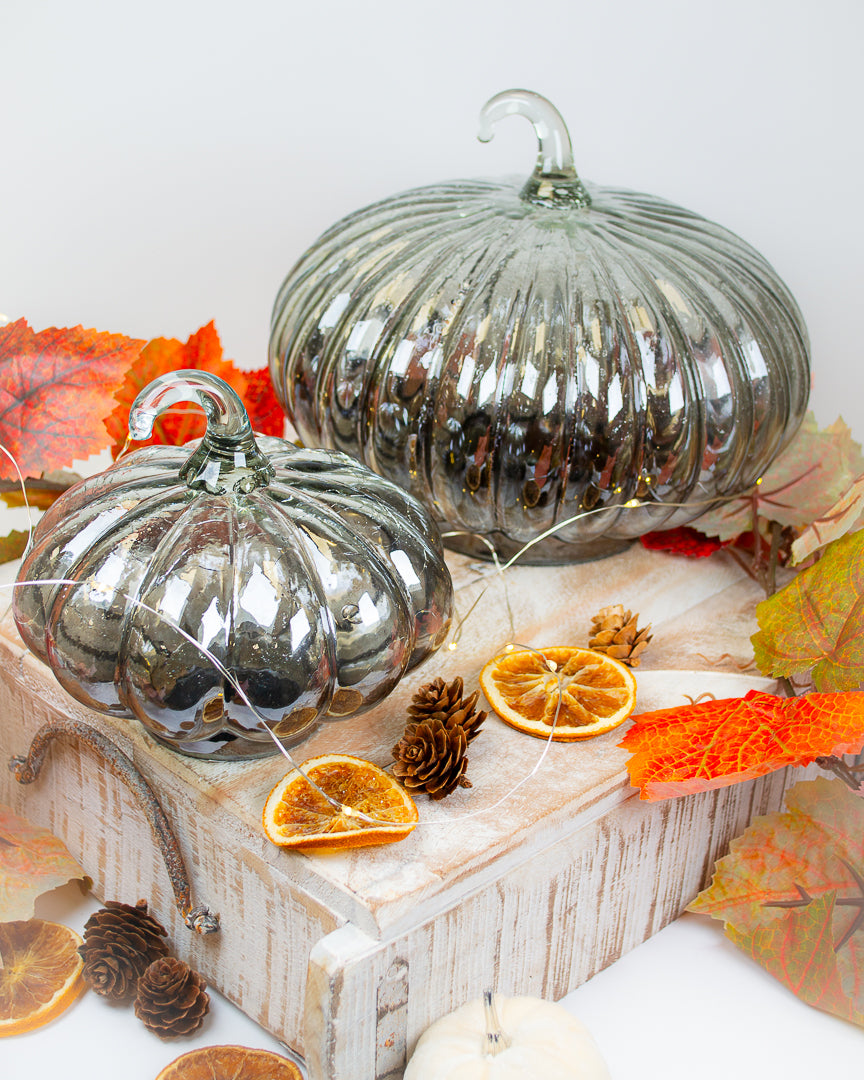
<point>614,632</point>
<point>120,941</point>
<point>172,998</point>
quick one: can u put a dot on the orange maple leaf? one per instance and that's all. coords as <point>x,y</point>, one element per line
<point>55,393</point>
<point>176,426</point>
<point>716,743</point>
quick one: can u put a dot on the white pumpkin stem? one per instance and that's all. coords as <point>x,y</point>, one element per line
<point>496,1039</point>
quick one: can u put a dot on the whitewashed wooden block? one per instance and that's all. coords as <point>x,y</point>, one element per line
<point>349,957</point>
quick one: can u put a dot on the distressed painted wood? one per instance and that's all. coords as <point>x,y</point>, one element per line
<point>348,957</point>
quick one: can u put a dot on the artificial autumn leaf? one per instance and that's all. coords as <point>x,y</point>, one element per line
<point>265,412</point>
<point>817,620</point>
<point>713,744</point>
<point>13,545</point>
<point>799,487</point>
<point>846,514</point>
<point>32,861</point>
<point>681,541</point>
<point>799,871</point>
<point>55,392</point>
<point>799,952</point>
<point>42,492</point>
<point>182,422</point>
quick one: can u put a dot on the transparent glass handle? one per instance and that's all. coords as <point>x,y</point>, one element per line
<point>554,181</point>
<point>228,458</point>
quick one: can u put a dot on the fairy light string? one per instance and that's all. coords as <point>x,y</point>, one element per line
<point>497,571</point>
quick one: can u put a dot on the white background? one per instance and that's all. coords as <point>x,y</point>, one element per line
<point>163,164</point>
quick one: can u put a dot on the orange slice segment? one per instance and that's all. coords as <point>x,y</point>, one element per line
<point>40,976</point>
<point>523,687</point>
<point>297,816</point>
<point>230,1063</point>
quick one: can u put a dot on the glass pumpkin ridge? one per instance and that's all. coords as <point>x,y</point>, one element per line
<point>298,575</point>
<point>544,356</point>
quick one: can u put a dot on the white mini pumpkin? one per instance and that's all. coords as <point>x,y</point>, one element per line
<point>507,1039</point>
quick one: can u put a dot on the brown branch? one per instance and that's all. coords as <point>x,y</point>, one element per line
<point>26,769</point>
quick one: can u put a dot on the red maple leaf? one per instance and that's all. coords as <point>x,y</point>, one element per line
<point>713,744</point>
<point>182,422</point>
<point>55,393</point>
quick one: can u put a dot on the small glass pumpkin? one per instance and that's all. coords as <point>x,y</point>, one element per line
<point>313,582</point>
<point>518,356</point>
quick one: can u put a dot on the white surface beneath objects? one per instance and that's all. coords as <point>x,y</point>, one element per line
<point>685,1005</point>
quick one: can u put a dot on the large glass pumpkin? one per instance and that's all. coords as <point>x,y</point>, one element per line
<point>245,586</point>
<point>549,356</point>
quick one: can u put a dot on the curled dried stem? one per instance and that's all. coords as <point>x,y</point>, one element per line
<point>26,769</point>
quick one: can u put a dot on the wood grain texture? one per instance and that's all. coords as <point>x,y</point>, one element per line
<point>530,890</point>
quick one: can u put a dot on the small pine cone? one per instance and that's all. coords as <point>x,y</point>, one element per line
<point>119,943</point>
<point>431,757</point>
<point>614,632</point>
<point>442,701</point>
<point>172,998</point>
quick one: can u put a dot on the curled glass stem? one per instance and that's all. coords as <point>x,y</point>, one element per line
<point>26,769</point>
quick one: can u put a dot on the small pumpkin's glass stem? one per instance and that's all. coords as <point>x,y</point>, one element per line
<point>554,181</point>
<point>496,1040</point>
<point>228,457</point>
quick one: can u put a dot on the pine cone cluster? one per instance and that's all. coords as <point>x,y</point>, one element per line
<point>120,941</point>
<point>431,755</point>
<point>614,632</point>
<point>126,956</point>
<point>172,998</point>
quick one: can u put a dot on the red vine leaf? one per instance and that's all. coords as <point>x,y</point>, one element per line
<point>817,620</point>
<point>788,894</point>
<point>32,861</point>
<point>176,426</point>
<point>713,744</point>
<point>800,486</point>
<point>55,392</point>
<point>681,541</point>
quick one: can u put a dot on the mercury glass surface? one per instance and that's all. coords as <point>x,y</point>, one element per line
<point>312,582</point>
<point>518,354</point>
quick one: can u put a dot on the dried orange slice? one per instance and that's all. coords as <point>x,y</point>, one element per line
<point>597,693</point>
<point>297,816</point>
<point>230,1063</point>
<point>40,976</point>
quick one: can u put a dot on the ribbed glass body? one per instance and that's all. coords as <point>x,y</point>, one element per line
<point>518,354</point>
<point>310,581</point>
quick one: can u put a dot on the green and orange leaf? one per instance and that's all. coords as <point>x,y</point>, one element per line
<point>712,744</point>
<point>788,893</point>
<point>817,621</point>
<point>844,516</point>
<point>176,426</point>
<point>803,483</point>
<point>55,393</point>
<point>32,861</point>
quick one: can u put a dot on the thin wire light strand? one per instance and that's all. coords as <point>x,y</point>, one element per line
<point>499,571</point>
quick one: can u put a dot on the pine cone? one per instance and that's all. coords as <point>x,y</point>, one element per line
<point>614,632</point>
<point>119,943</point>
<point>442,701</point>
<point>430,756</point>
<point>172,998</point>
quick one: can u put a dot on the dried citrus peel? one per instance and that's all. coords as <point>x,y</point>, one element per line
<point>349,803</point>
<point>560,692</point>
<point>40,975</point>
